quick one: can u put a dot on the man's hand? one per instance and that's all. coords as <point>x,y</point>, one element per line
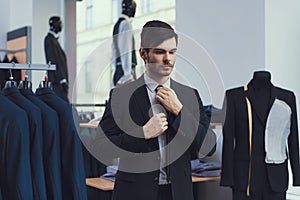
<point>155,126</point>
<point>168,98</point>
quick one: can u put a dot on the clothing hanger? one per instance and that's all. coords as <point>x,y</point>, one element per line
<point>46,83</point>
<point>10,82</point>
<point>25,84</point>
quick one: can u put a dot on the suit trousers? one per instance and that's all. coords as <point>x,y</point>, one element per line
<point>164,192</point>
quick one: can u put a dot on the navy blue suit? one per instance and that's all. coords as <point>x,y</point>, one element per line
<point>35,128</point>
<point>73,177</point>
<point>51,147</point>
<point>15,181</point>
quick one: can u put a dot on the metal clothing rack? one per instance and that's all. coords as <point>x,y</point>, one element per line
<point>28,66</point>
<point>90,105</point>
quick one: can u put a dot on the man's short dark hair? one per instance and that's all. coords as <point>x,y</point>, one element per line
<point>155,32</point>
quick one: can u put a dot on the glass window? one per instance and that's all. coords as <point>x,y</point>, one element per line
<point>115,10</point>
<point>147,6</point>
<point>89,14</point>
<point>88,77</point>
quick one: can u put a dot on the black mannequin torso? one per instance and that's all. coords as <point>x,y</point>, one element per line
<point>261,85</point>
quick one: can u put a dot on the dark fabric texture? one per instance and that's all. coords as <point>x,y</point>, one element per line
<point>36,140</point>
<point>15,170</point>
<point>51,145</point>
<point>72,165</point>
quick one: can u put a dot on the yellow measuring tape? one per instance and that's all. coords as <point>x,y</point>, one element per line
<point>250,139</point>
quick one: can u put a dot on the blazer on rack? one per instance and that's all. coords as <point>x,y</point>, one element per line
<point>51,145</point>
<point>136,186</point>
<point>72,165</point>
<point>15,173</point>
<point>236,158</point>
<point>36,140</point>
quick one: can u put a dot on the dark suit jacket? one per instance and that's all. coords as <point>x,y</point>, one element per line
<point>189,127</point>
<point>236,159</point>
<point>51,145</point>
<point>73,177</point>
<point>36,140</point>
<point>15,181</point>
<point>55,54</point>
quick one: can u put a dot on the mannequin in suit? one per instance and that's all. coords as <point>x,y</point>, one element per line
<point>168,120</point>
<point>55,54</point>
<point>123,48</point>
<point>249,166</point>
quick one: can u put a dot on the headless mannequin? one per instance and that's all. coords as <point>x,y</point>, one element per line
<point>261,84</point>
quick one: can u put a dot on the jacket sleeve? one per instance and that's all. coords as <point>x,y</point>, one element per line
<point>132,140</point>
<point>55,56</point>
<point>293,144</point>
<point>192,123</point>
<point>228,143</point>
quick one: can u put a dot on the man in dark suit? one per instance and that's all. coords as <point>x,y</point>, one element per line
<point>55,54</point>
<point>261,120</point>
<point>155,123</point>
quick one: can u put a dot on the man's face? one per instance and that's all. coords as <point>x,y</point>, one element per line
<point>161,59</point>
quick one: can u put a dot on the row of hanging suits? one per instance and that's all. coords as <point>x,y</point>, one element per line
<point>40,150</point>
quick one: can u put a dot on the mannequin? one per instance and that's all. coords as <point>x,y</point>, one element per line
<point>55,55</point>
<point>124,56</point>
<point>260,125</point>
<point>261,85</point>
<point>261,79</point>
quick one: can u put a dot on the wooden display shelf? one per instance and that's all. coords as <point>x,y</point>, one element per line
<point>107,185</point>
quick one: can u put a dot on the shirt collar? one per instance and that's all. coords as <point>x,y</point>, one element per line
<point>56,35</point>
<point>126,17</point>
<point>152,84</point>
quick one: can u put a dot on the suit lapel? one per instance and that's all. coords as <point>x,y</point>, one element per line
<point>260,113</point>
<point>272,98</point>
<point>141,98</point>
<point>250,93</point>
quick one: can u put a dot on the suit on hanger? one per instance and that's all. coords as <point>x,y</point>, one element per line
<point>36,140</point>
<point>55,54</point>
<point>136,186</point>
<point>15,181</point>
<point>51,145</point>
<point>236,158</point>
<point>73,177</point>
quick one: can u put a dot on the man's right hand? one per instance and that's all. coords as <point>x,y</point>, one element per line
<point>155,126</point>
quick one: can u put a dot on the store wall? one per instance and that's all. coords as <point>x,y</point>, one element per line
<point>232,33</point>
<point>5,22</point>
